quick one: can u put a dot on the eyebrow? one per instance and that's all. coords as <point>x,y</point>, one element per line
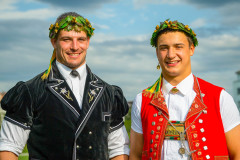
<point>65,37</point>
<point>164,45</point>
<point>82,37</point>
<point>179,44</point>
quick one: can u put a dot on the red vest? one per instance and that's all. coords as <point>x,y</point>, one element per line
<point>205,135</point>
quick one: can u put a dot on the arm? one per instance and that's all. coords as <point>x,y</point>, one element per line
<point>233,142</point>
<point>15,127</point>
<point>118,144</point>
<point>5,155</point>
<point>136,135</point>
<point>120,157</point>
<point>118,140</point>
<point>136,145</point>
<point>231,123</point>
<point>12,140</point>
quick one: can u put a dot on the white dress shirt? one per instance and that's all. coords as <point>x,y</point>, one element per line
<point>178,106</point>
<point>76,84</point>
<point>13,138</point>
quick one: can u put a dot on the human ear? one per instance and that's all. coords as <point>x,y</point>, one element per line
<point>157,51</point>
<point>88,41</point>
<point>53,41</point>
<point>192,49</point>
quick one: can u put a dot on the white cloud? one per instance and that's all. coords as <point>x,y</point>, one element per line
<point>130,62</point>
<point>41,14</point>
<point>230,14</point>
<point>219,42</point>
<point>91,5</point>
<point>216,59</point>
<point>228,10</point>
<point>142,3</point>
<point>101,26</point>
<point>127,61</point>
<point>106,14</point>
<point>8,11</point>
<point>173,2</point>
<point>198,23</point>
<point>7,5</point>
<point>103,37</point>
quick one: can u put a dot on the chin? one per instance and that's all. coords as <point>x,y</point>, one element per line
<point>171,74</point>
<point>73,65</point>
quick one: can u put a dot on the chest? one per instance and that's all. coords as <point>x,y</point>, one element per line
<point>178,105</point>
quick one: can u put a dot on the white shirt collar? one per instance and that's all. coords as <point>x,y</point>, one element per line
<point>185,86</point>
<point>65,71</point>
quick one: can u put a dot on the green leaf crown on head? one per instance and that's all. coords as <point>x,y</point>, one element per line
<point>71,23</point>
<point>175,25</point>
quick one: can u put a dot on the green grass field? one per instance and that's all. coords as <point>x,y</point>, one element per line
<point>24,155</point>
<point>128,126</point>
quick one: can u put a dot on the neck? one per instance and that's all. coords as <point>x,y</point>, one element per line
<point>175,80</point>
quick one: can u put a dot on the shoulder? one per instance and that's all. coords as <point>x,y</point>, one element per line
<point>108,87</point>
<point>138,97</point>
<point>226,100</point>
<point>35,86</point>
<point>22,91</point>
<point>35,80</point>
<point>17,95</point>
<point>206,84</point>
<point>137,102</point>
<point>211,93</point>
<point>23,87</point>
<point>209,87</point>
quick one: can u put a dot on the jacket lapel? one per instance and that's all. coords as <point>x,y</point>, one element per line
<point>159,102</point>
<point>197,105</point>
<point>59,87</point>
<point>92,93</point>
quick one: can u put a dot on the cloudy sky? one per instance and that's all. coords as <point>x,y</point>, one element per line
<point>120,51</point>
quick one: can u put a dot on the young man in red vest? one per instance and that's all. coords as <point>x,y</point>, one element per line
<point>181,116</point>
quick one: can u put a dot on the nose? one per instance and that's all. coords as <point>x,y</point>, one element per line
<point>75,45</point>
<point>171,53</point>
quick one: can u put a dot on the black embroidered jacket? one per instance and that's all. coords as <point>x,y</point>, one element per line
<point>59,129</point>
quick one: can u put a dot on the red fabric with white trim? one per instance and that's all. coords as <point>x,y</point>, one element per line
<point>206,134</point>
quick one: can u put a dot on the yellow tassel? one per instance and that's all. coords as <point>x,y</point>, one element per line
<point>154,89</point>
<point>45,75</point>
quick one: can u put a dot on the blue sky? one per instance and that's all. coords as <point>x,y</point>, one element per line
<point>120,51</point>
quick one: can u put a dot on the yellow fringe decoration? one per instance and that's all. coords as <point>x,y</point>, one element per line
<point>46,74</point>
<point>154,89</point>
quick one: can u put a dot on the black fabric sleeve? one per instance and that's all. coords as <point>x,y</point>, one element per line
<point>119,110</point>
<point>18,105</point>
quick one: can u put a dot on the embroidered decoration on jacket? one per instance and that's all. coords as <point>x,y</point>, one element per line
<point>66,93</point>
<point>92,93</point>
